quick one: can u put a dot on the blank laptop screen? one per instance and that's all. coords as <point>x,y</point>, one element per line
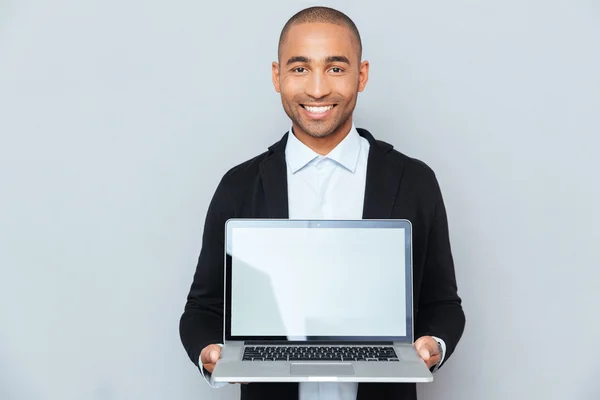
<point>300,282</point>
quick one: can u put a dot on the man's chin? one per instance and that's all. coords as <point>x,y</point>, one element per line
<point>318,135</point>
<point>316,132</point>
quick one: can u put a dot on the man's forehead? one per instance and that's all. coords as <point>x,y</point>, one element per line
<point>318,41</point>
<point>316,30</point>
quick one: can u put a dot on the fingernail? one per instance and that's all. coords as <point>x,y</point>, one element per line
<point>213,356</point>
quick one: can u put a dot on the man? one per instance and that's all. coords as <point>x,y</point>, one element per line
<point>326,168</point>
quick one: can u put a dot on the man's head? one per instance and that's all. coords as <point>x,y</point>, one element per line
<point>319,73</point>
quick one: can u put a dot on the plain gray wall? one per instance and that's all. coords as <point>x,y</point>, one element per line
<point>118,118</point>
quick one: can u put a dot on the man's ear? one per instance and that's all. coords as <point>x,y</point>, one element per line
<point>275,76</point>
<point>363,75</point>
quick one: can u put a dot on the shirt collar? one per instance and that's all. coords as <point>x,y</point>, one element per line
<point>346,153</point>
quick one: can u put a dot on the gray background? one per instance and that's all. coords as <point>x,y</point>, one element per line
<point>118,118</point>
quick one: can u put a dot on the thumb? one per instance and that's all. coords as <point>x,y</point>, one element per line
<point>424,353</point>
<point>210,354</point>
<point>422,349</point>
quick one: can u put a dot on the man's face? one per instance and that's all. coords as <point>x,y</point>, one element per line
<point>319,75</point>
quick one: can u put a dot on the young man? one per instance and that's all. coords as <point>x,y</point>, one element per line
<point>325,168</point>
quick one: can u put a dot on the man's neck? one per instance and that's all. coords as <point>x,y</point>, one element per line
<point>323,145</point>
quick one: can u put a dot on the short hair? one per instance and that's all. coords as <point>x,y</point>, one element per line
<point>320,15</point>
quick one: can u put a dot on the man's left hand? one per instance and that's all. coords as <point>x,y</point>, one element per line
<point>427,347</point>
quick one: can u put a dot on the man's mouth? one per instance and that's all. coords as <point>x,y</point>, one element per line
<point>316,112</point>
<point>318,109</point>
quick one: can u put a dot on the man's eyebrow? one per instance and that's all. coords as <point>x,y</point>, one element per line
<point>328,60</point>
<point>333,59</point>
<point>298,59</point>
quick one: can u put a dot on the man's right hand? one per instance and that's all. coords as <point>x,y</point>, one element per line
<point>209,356</point>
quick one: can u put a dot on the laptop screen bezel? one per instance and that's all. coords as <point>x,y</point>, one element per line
<point>317,224</point>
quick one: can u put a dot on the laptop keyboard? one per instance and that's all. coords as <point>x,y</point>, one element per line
<point>319,353</point>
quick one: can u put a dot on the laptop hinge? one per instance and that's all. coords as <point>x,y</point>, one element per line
<point>318,342</point>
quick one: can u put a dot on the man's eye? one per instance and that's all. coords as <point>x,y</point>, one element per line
<point>299,70</point>
<point>336,70</point>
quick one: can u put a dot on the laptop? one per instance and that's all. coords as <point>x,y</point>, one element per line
<point>318,301</point>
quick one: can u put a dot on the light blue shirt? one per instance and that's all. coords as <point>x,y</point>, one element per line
<point>326,187</point>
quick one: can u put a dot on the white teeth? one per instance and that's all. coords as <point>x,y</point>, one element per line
<point>318,110</point>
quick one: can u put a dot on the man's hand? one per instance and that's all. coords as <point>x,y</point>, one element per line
<point>427,347</point>
<point>209,356</point>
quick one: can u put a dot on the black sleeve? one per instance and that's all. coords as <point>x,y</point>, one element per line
<point>202,321</point>
<point>439,312</point>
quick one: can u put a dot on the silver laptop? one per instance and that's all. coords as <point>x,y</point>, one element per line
<point>319,300</point>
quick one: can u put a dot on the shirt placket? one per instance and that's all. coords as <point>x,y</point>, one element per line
<point>325,171</point>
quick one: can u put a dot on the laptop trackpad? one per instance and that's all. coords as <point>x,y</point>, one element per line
<point>307,369</point>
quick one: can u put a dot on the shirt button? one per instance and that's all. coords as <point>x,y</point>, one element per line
<point>323,201</point>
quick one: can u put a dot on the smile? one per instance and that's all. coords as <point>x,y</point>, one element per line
<point>318,110</point>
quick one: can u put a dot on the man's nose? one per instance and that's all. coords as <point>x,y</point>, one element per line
<point>317,85</point>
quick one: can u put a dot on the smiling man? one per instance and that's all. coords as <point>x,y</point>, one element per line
<point>319,75</point>
<point>326,168</point>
